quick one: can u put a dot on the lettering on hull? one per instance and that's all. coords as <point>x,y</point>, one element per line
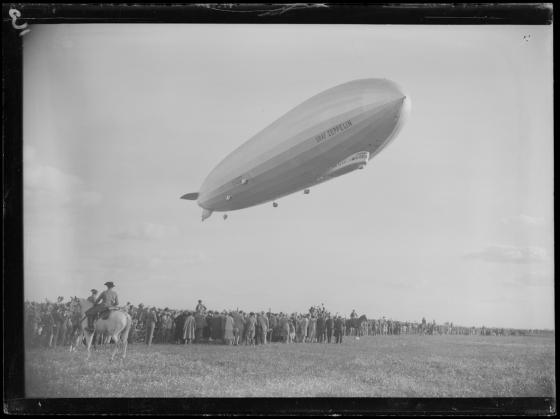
<point>331,132</point>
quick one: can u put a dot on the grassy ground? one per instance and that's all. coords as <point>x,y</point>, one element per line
<point>387,366</point>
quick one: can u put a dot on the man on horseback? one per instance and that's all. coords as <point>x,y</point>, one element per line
<point>353,315</point>
<point>106,300</point>
<point>200,308</point>
<point>93,296</point>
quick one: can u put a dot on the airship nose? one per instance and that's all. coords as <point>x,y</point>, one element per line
<point>395,92</point>
<point>402,115</point>
<point>405,109</point>
<point>381,92</point>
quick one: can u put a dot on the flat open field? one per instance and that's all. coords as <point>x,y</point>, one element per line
<point>380,366</point>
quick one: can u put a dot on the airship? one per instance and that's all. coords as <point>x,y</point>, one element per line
<point>330,134</point>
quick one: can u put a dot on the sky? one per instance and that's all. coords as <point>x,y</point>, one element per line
<point>453,221</point>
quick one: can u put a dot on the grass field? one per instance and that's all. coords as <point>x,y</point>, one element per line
<point>382,366</point>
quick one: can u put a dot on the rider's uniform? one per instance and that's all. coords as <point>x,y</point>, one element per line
<point>106,299</point>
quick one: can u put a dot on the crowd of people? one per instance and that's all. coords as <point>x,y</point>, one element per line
<point>54,324</point>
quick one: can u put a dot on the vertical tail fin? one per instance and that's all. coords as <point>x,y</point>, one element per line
<point>206,213</point>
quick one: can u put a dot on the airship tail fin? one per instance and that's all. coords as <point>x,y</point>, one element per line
<point>206,213</point>
<point>190,196</point>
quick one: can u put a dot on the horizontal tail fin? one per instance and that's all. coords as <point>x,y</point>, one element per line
<point>193,196</point>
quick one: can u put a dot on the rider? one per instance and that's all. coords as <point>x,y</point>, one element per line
<point>93,296</point>
<point>200,308</point>
<point>106,299</point>
<point>353,315</point>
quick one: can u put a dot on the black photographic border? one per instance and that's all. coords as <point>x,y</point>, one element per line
<point>13,32</point>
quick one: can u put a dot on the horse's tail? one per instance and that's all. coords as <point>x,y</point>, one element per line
<point>126,330</point>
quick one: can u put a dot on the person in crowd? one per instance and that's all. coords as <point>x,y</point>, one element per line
<point>250,323</point>
<point>140,315</point>
<point>285,328</point>
<point>272,325</point>
<point>321,332</point>
<point>312,329</point>
<point>190,328</point>
<point>228,329</point>
<point>178,327</point>
<point>304,325</point>
<point>47,324</point>
<point>339,329</point>
<point>262,322</point>
<point>58,312</point>
<point>151,321</point>
<point>167,325</point>
<point>292,325</point>
<point>329,327</point>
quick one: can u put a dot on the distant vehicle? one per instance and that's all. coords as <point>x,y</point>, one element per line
<point>330,134</point>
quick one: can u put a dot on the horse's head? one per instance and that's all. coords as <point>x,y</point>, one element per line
<point>74,303</point>
<point>79,304</point>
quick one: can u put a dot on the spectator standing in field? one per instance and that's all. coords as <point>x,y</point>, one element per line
<point>338,329</point>
<point>58,317</point>
<point>132,331</point>
<point>312,329</point>
<point>157,328</point>
<point>292,324</point>
<point>178,327</point>
<point>151,321</point>
<point>329,326</point>
<point>190,328</point>
<point>250,323</point>
<point>257,330</point>
<point>321,333</point>
<point>285,328</point>
<point>47,324</point>
<point>262,321</point>
<point>304,324</point>
<point>167,325</point>
<point>141,314</point>
<point>67,325</point>
<point>228,329</point>
<point>272,324</point>
<point>32,320</point>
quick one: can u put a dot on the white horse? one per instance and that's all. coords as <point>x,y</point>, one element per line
<point>116,327</point>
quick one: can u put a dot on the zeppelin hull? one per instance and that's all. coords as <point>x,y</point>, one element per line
<point>296,151</point>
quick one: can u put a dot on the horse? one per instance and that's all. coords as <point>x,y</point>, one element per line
<point>116,327</point>
<point>356,324</point>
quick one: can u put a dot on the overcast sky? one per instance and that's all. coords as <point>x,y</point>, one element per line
<point>453,221</point>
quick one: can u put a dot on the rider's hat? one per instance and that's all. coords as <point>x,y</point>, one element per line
<point>93,290</point>
<point>109,284</point>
